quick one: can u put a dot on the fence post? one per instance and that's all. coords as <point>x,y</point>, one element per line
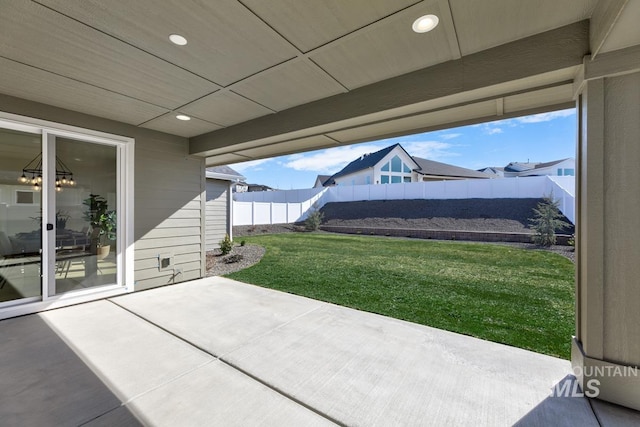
<point>270,212</point>
<point>253,213</point>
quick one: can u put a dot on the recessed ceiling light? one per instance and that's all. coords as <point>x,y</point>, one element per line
<point>182,117</point>
<point>425,23</point>
<point>178,39</point>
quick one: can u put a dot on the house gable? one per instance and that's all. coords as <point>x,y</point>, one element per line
<point>395,167</point>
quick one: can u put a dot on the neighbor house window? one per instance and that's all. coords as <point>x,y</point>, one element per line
<point>569,172</point>
<point>400,171</point>
<point>559,171</point>
<point>368,180</point>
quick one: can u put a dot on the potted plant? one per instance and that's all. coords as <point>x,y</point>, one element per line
<point>61,219</point>
<point>103,224</point>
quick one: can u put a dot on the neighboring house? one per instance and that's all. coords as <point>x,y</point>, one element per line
<point>393,165</point>
<point>563,167</point>
<point>258,187</point>
<point>219,204</point>
<point>498,172</point>
<point>320,180</point>
<point>430,170</point>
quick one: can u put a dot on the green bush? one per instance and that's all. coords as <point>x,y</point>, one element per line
<point>546,221</point>
<point>226,245</point>
<point>313,221</point>
<point>243,242</point>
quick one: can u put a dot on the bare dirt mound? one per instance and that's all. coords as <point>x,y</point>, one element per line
<point>497,215</point>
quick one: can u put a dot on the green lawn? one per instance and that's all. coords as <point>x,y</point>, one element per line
<point>522,298</point>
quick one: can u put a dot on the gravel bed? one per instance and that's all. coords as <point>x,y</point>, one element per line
<point>494,215</point>
<point>217,264</point>
<point>256,230</point>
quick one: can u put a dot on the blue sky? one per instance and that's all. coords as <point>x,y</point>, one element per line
<point>538,138</point>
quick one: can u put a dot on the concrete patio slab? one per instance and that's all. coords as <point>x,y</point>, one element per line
<point>364,369</point>
<point>43,382</point>
<point>218,395</point>
<point>283,360</point>
<point>127,353</point>
<point>120,417</point>
<point>613,415</point>
<point>218,318</point>
<point>360,368</point>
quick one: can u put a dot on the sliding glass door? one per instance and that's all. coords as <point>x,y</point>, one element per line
<point>20,217</point>
<point>86,215</point>
<point>61,214</point>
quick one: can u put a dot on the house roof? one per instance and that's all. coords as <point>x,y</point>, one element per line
<point>491,169</point>
<point>431,167</point>
<point>547,164</point>
<point>225,173</point>
<point>519,167</point>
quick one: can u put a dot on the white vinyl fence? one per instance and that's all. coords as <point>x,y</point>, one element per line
<point>281,207</point>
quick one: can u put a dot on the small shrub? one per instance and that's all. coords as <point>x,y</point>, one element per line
<point>313,221</point>
<point>233,258</point>
<point>226,245</point>
<point>546,221</point>
<point>243,242</point>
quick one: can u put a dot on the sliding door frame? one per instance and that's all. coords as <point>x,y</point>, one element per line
<point>125,212</point>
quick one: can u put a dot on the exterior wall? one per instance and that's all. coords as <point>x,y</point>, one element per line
<point>217,212</point>
<point>358,178</point>
<point>169,188</point>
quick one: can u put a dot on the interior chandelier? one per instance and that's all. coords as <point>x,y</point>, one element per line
<point>64,176</point>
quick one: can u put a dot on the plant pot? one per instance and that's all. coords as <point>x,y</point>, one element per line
<point>102,252</point>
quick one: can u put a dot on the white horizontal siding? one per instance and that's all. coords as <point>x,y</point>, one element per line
<point>168,218</point>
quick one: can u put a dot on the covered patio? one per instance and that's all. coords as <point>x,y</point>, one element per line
<point>219,352</point>
<point>139,97</point>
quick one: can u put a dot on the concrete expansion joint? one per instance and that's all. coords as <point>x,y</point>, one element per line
<point>284,393</point>
<point>231,365</point>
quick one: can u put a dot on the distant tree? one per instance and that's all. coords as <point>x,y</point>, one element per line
<point>546,221</point>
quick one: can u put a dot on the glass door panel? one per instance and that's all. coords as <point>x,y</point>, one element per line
<point>20,215</point>
<point>86,215</point>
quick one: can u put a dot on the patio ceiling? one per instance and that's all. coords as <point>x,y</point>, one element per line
<point>265,78</point>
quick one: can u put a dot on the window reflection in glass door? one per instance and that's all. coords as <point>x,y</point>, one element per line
<point>20,216</point>
<point>86,215</point>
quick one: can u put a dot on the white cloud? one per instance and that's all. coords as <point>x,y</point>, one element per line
<point>252,164</point>
<point>429,149</point>
<point>545,117</point>
<point>447,136</point>
<point>330,160</point>
<point>491,130</point>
